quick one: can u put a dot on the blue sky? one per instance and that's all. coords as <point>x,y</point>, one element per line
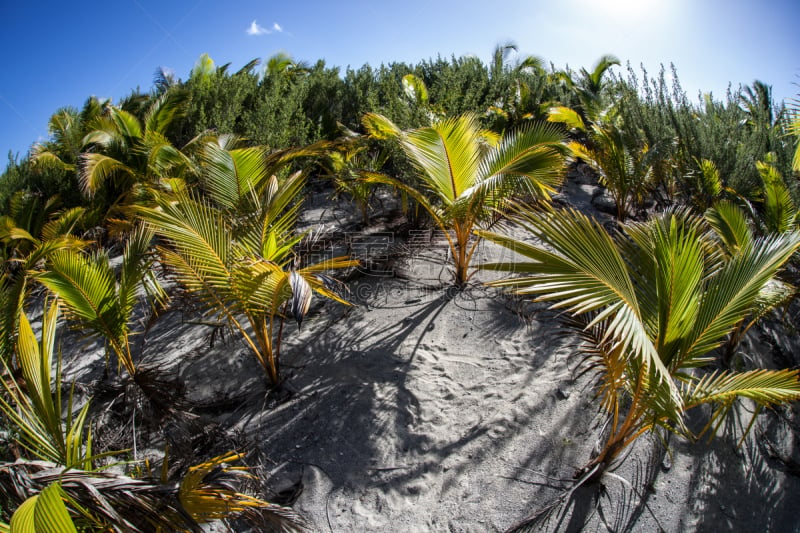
<point>59,53</point>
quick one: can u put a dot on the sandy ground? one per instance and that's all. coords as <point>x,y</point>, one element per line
<point>420,408</point>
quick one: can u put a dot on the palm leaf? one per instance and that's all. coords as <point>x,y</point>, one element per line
<point>526,161</point>
<point>567,116</point>
<point>164,110</point>
<point>230,176</point>
<point>98,168</point>
<point>779,209</point>
<point>380,127</point>
<point>723,388</point>
<point>765,387</point>
<point>448,155</point>
<point>199,234</point>
<point>731,293</point>
<point>87,288</point>
<point>585,274</point>
<point>415,89</point>
<point>730,223</point>
<point>43,513</point>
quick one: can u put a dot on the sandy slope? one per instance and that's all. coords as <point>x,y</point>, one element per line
<point>425,409</point>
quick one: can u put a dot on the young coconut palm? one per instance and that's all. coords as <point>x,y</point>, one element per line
<point>123,157</point>
<point>624,167</point>
<point>778,210</point>
<point>35,411</point>
<point>590,87</point>
<point>237,255</point>
<point>99,299</point>
<point>29,235</point>
<point>651,304</point>
<point>346,164</point>
<point>468,174</point>
<point>60,488</point>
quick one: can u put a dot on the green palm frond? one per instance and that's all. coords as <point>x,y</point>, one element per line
<point>566,116</point>
<point>723,388</point>
<point>526,161</point>
<point>35,411</point>
<point>765,387</point>
<point>125,124</point>
<point>137,273</point>
<point>279,208</point>
<point>44,513</point>
<point>447,154</point>
<point>585,273</point>
<point>99,300</point>
<point>380,127</point>
<point>230,177</point>
<point>42,158</point>
<point>164,110</point>
<point>197,232</point>
<point>780,212</point>
<point>671,270</point>
<point>37,416</point>
<point>87,287</point>
<point>730,223</point>
<point>97,169</point>
<point>162,156</point>
<point>794,129</point>
<point>260,286</point>
<point>415,89</point>
<point>64,224</point>
<point>731,293</point>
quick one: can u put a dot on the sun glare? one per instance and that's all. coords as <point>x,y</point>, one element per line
<point>627,10</point>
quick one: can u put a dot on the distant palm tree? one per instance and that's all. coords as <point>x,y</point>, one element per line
<point>651,304</point>
<point>283,65</point>
<point>589,86</point>
<point>757,102</point>
<point>468,174</point>
<point>67,128</point>
<point>625,168</point>
<point>124,156</point>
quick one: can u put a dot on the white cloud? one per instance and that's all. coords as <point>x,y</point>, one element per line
<point>255,29</point>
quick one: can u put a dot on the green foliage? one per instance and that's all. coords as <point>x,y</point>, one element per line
<point>235,250</point>
<point>652,303</point>
<point>44,513</point>
<point>468,174</point>
<point>101,300</point>
<point>732,134</point>
<point>779,213</point>
<point>36,412</point>
<point>625,168</point>
<point>349,164</point>
<point>31,233</point>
